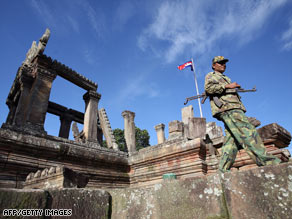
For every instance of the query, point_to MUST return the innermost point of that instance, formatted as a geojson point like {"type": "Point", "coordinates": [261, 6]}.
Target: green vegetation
{"type": "Point", "coordinates": [142, 139]}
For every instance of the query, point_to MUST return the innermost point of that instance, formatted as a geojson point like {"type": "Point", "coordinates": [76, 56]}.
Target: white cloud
{"type": "Point", "coordinates": [44, 11]}
{"type": "Point", "coordinates": [96, 18]}
{"type": "Point", "coordinates": [287, 37]}
{"type": "Point", "coordinates": [136, 87]}
{"type": "Point", "coordinates": [124, 12]}
{"type": "Point", "coordinates": [198, 25]}
{"type": "Point", "coordinates": [73, 23]}
{"type": "Point", "coordinates": [89, 56]}
{"type": "Point", "coordinates": [54, 16]}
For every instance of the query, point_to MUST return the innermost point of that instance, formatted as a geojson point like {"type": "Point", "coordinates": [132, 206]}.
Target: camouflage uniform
{"type": "Point", "coordinates": [239, 132]}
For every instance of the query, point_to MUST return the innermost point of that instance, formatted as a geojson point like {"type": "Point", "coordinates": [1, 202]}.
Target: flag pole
{"type": "Point", "coordinates": [197, 89]}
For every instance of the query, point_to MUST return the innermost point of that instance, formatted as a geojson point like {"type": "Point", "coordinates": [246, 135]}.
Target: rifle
{"type": "Point", "coordinates": [215, 98]}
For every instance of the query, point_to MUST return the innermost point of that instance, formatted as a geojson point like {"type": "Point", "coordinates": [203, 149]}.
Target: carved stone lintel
{"type": "Point", "coordinates": [72, 76]}
{"type": "Point", "coordinates": [44, 74]}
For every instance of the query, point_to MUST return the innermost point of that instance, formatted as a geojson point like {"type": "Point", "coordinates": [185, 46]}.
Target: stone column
{"type": "Point", "coordinates": [160, 133]}
{"type": "Point", "coordinates": [19, 117]}
{"type": "Point", "coordinates": [129, 131]}
{"type": "Point", "coordinates": [39, 98]}
{"type": "Point", "coordinates": [175, 130]}
{"type": "Point", "coordinates": [66, 119]}
{"type": "Point", "coordinates": [90, 116]}
{"type": "Point", "coordinates": [187, 113]}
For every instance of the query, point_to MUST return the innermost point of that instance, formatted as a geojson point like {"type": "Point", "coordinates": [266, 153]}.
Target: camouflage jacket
{"type": "Point", "coordinates": [215, 86]}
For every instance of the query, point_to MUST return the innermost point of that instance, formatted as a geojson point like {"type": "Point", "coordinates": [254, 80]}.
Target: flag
{"type": "Point", "coordinates": [183, 66]}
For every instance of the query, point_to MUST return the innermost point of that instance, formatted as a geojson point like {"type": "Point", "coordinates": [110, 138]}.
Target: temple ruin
{"type": "Point", "coordinates": [32, 159]}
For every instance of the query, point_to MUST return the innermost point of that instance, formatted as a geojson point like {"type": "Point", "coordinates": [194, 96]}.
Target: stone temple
{"type": "Point", "coordinates": [177, 178]}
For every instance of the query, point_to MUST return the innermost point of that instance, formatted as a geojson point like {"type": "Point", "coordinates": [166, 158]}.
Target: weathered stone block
{"type": "Point", "coordinates": [186, 113]}
{"type": "Point", "coordinates": [260, 193]}
{"type": "Point", "coordinates": [82, 203]}
{"type": "Point", "coordinates": [213, 130]}
{"type": "Point", "coordinates": [175, 126]}
{"type": "Point", "coordinates": [264, 192]}
{"type": "Point", "coordinates": [197, 128]}
{"type": "Point", "coordinates": [22, 199]}
{"type": "Point", "coordinates": [175, 129]}
{"type": "Point", "coordinates": [254, 121]}
{"type": "Point", "coordinates": [180, 199]}
{"type": "Point", "coordinates": [85, 203]}
{"type": "Point", "coordinates": [275, 133]}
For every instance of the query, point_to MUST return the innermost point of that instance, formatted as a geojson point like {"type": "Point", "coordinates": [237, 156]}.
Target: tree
{"type": "Point", "coordinates": [142, 139]}
{"type": "Point", "coordinates": [120, 139]}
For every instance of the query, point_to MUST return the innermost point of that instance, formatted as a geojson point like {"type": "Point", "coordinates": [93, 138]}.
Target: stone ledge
{"type": "Point", "coordinates": [58, 145]}
{"type": "Point", "coordinates": [55, 177]}
{"type": "Point", "coordinates": [165, 149]}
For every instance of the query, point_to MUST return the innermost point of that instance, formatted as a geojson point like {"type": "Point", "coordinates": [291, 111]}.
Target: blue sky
{"type": "Point", "coordinates": [132, 50]}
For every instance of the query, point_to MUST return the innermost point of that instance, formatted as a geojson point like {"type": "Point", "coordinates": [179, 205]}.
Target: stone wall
{"type": "Point", "coordinates": [261, 193]}
{"type": "Point", "coordinates": [185, 158]}
{"type": "Point", "coordinates": [82, 203]}
{"type": "Point", "coordinates": [21, 154]}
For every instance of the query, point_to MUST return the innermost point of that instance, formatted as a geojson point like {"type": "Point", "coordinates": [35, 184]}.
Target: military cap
{"type": "Point", "coordinates": [219, 59]}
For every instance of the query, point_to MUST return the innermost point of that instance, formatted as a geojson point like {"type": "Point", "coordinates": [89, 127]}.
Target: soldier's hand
{"type": "Point", "coordinates": [232, 85]}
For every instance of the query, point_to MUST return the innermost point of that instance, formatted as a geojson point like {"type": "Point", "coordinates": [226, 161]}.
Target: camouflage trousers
{"type": "Point", "coordinates": [241, 134]}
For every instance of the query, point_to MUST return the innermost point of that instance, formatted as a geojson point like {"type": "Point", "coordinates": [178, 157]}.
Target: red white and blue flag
{"type": "Point", "coordinates": [183, 66]}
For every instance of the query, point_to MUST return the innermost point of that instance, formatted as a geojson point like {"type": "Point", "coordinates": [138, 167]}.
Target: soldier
{"type": "Point", "coordinates": [230, 110]}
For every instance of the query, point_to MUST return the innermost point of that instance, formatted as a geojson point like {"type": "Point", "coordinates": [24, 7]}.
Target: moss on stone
{"type": "Point", "coordinates": [22, 199]}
